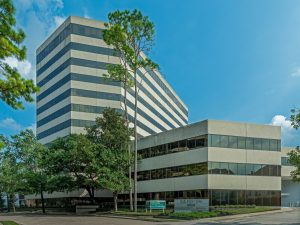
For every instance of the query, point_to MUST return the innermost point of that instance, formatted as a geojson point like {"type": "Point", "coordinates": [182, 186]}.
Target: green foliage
{"type": "Point", "coordinates": [294, 156]}
{"type": "Point", "coordinates": [294, 159]}
{"type": "Point", "coordinates": [10, 172]}
{"type": "Point", "coordinates": [130, 34]}
{"type": "Point", "coordinates": [78, 161]}
{"type": "Point", "coordinates": [295, 118]}
{"type": "Point", "coordinates": [198, 215]}
{"type": "Point", "coordinates": [13, 87]}
{"type": "Point", "coordinates": [23, 166]}
{"type": "Point", "coordinates": [112, 134]}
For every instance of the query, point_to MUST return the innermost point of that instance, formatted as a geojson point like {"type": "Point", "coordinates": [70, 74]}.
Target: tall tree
{"type": "Point", "coordinates": [78, 161]}
{"type": "Point", "coordinates": [132, 35]}
{"type": "Point", "coordinates": [114, 37]}
{"type": "Point", "coordinates": [111, 132]}
{"type": "Point", "coordinates": [13, 87]}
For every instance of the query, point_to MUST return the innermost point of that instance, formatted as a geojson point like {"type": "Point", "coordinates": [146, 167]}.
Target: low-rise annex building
{"type": "Point", "coordinates": [290, 189]}
{"type": "Point", "coordinates": [227, 162]}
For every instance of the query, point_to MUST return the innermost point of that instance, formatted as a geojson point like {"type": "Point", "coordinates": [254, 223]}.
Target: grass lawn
{"type": "Point", "coordinates": [193, 215]}
{"type": "Point", "coordinates": [224, 212]}
{"type": "Point", "coordinates": [8, 223]}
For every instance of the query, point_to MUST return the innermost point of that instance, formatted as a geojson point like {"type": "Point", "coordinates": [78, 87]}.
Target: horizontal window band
{"type": "Point", "coordinates": [80, 93]}
{"type": "Point", "coordinates": [102, 80]}
{"type": "Point", "coordinates": [233, 142]}
{"type": "Point", "coordinates": [102, 50]}
{"type": "Point", "coordinates": [72, 28]}
{"type": "Point", "coordinates": [93, 109]}
{"type": "Point", "coordinates": [94, 33]}
{"type": "Point", "coordinates": [77, 77]}
{"type": "Point", "coordinates": [83, 123]}
{"type": "Point", "coordinates": [78, 47]}
{"type": "Point", "coordinates": [101, 65]}
{"type": "Point", "coordinates": [53, 101]}
{"type": "Point", "coordinates": [205, 168]}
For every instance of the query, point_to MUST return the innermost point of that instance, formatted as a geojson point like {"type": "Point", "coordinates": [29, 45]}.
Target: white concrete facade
{"type": "Point", "coordinates": [70, 68]}
{"type": "Point", "coordinates": [213, 180]}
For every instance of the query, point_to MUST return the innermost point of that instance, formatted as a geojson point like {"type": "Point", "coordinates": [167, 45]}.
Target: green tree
{"type": "Point", "coordinates": [78, 162]}
{"type": "Point", "coordinates": [112, 133]}
{"type": "Point", "coordinates": [294, 159]}
{"type": "Point", "coordinates": [31, 161]}
{"type": "Point", "coordinates": [13, 87]}
{"type": "Point", "coordinates": [295, 118]}
{"type": "Point", "coordinates": [294, 156]}
{"type": "Point", "coordinates": [10, 177]}
{"type": "Point", "coordinates": [132, 35]}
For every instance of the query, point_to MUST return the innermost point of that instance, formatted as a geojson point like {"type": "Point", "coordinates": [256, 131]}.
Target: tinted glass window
{"type": "Point", "coordinates": [215, 140]}
{"type": "Point", "coordinates": [257, 169]}
{"type": "Point", "coordinates": [249, 169]}
{"type": "Point", "coordinates": [215, 168]}
{"type": "Point", "coordinates": [249, 143]}
{"type": "Point", "coordinates": [233, 168]}
{"type": "Point", "coordinates": [257, 143]}
{"type": "Point", "coordinates": [241, 169]}
{"type": "Point", "coordinates": [224, 168]}
{"type": "Point", "coordinates": [273, 145]}
{"type": "Point", "coordinates": [233, 142]}
{"type": "Point", "coordinates": [265, 144]}
{"type": "Point", "coordinates": [265, 170]}
{"type": "Point", "coordinates": [242, 142]}
{"type": "Point", "coordinates": [173, 147]}
{"type": "Point", "coordinates": [224, 141]}
{"type": "Point", "coordinates": [191, 143]}
{"type": "Point", "coordinates": [278, 145]}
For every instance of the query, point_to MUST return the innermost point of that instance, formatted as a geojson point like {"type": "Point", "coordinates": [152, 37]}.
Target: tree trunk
{"type": "Point", "coordinates": [135, 140]}
{"type": "Point", "coordinates": [12, 199]}
{"type": "Point", "coordinates": [129, 150]}
{"type": "Point", "coordinates": [43, 201]}
{"type": "Point", "coordinates": [8, 202]}
{"type": "Point", "coordinates": [91, 194]}
{"type": "Point", "coordinates": [115, 195]}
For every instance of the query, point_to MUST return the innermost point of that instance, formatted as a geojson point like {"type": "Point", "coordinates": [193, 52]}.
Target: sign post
{"type": "Point", "coordinates": [156, 204]}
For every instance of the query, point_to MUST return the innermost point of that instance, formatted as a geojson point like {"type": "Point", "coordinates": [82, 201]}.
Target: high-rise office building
{"type": "Point", "coordinates": [70, 68]}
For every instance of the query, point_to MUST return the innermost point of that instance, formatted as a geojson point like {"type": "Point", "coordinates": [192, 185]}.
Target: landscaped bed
{"type": "Point", "coordinates": [8, 223]}
{"type": "Point", "coordinates": [222, 211]}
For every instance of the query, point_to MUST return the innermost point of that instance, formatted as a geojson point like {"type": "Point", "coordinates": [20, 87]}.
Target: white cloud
{"type": "Point", "coordinates": [10, 124]}
{"type": "Point", "coordinates": [24, 67]}
{"type": "Point", "coordinates": [288, 133]}
{"type": "Point", "coordinates": [86, 13]}
{"type": "Point", "coordinates": [282, 121]}
{"type": "Point", "coordinates": [58, 20]}
{"type": "Point", "coordinates": [296, 73]}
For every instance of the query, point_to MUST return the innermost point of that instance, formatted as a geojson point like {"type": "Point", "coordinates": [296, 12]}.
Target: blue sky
{"type": "Point", "coordinates": [227, 60]}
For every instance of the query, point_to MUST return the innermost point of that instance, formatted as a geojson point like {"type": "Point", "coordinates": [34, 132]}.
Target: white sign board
{"type": "Point", "coordinates": [191, 205]}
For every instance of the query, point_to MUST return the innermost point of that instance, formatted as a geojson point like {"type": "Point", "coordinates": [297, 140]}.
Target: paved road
{"type": "Point", "coordinates": [286, 218]}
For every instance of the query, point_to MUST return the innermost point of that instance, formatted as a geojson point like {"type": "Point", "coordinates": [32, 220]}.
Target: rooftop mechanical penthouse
{"type": "Point", "coordinates": [70, 68]}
